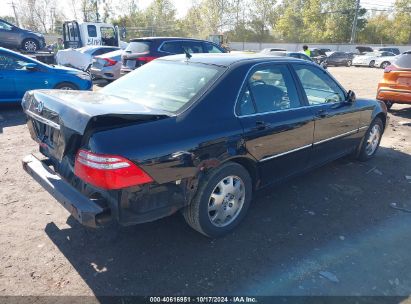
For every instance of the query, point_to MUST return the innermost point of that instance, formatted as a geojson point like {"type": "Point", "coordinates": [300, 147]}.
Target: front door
{"type": "Point", "coordinates": [336, 119]}
{"type": "Point", "coordinates": [278, 128]}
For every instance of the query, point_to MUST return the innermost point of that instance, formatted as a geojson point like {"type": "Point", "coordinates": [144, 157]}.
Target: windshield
{"type": "Point", "coordinates": [162, 85]}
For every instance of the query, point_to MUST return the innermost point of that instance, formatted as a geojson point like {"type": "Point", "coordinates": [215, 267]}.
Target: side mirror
{"type": "Point", "coordinates": [31, 66]}
{"type": "Point", "coordinates": [351, 96]}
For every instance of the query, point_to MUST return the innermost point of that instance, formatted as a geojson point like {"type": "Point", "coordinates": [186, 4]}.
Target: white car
{"type": "Point", "coordinates": [369, 59]}
{"type": "Point", "coordinates": [383, 62]}
{"type": "Point", "coordinates": [82, 58]}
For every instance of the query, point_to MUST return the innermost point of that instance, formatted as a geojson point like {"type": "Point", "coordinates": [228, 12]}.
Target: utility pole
{"type": "Point", "coordinates": [354, 25]}
{"type": "Point", "coordinates": [15, 13]}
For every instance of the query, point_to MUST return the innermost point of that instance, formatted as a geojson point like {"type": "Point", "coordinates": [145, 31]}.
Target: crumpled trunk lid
{"type": "Point", "coordinates": [59, 120]}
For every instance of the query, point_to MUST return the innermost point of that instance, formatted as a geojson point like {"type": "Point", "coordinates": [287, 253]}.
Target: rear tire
{"type": "Point", "coordinates": [66, 86]}
{"type": "Point", "coordinates": [221, 201]}
{"type": "Point", "coordinates": [385, 64]}
{"type": "Point", "coordinates": [30, 45]}
{"type": "Point", "coordinates": [372, 63]}
{"type": "Point", "coordinates": [349, 63]}
{"type": "Point", "coordinates": [371, 140]}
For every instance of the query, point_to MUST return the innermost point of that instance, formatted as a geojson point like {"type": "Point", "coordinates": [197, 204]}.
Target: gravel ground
{"type": "Point", "coordinates": [329, 232]}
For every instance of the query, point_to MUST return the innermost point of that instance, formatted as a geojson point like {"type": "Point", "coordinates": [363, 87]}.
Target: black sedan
{"type": "Point", "coordinates": [339, 59]}
{"type": "Point", "coordinates": [198, 134]}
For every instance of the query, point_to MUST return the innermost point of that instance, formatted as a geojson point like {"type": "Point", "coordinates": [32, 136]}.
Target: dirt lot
{"type": "Point", "coordinates": [336, 220]}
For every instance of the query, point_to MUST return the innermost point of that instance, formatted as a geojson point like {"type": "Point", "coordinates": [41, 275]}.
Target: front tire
{"type": "Point", "coordinates": [372, 63]}
{"type": "Point", "coordinates": [349, 63]}
{"type": "Point", "coordinates": [221, 202]}
{"type": "Point", "coordinates": [388, 104]}
{"type": "Point", "coordinates": [371, 140]}
{"type": "Point", "coordinates": [66, 86]}
{"type": "Point", "coordinates": [30, 45]}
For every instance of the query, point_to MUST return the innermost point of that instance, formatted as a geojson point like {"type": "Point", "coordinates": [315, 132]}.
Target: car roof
{"type": "Point", "coordinates": [166, 39]}
{"type": "Point", "coordinates": [227, 59]}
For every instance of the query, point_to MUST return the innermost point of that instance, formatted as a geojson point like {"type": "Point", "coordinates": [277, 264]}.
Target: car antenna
{"type": "Point", "coordinates": [188, 55]}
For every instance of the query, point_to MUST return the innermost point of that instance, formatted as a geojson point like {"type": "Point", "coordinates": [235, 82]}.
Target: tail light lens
{"type": "Point", "coordinates": [144, 59]}
{"type": "Point", "coordinates": [109, 62]}
{"type": "Point", "coordinates": [108, 171]}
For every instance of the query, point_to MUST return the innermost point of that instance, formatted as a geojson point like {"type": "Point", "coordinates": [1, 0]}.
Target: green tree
{"type": "Point", "coordinates": [402, 22]}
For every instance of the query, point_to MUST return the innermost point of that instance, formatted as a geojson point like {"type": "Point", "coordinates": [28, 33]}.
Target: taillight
{"type": "Point", "coordinates": [109, 62]}
{"type": "Point", "coordinates": [145, 59]}
{"type": "Point", "coordinates": [108, 171]}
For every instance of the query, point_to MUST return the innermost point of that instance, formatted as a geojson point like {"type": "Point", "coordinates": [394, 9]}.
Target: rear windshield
{"type": "Point", "coordinates": [166, 86]}
{"type": "Point", "coordinates": [138, 47]}
{"type": "Point", "coordinates": [404, 61]}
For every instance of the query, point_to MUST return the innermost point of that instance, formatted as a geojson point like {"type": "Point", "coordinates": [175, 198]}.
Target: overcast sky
{"type": "Point", "coordinates": [181, 5]}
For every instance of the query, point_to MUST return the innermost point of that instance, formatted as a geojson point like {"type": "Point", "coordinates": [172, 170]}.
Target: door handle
{"type": "Point", "coordinates": [321, 113]}
{"type": "Point", "coordinates": [261, 125]}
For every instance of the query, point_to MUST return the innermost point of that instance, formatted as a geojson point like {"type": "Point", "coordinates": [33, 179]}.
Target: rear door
{"type": "Point", "coordinates": [278, 127]}
{"type": "Point", "coordinates": [336, 120]}
{"type": "Point", "coordinates": [7, 36]}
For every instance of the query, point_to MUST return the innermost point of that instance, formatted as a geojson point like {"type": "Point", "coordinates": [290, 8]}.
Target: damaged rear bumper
{"type": "Point", "coordinates": [83, 209]}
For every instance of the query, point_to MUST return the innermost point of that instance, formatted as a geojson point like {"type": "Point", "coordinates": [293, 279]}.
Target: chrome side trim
{"type": "Point", "coordinates": [285, 153]}
{"type": "Point", "coordinates": [335, 137]}
{"type": "Point", "coordinates": [362, 128]}
{"type": "Point", "coordinates": [43, 120]}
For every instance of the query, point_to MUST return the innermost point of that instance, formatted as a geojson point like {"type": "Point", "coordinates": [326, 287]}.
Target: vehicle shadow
{"type": "Point", "coordinates": [292, 231]}
{"type": "Point", "coordinates": [11, 115]}
{"type": "Point", "coordinates": [403, 111]}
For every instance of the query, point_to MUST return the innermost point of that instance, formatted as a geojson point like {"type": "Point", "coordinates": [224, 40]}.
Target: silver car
{"type": "Point", "coordinates": [107, 66]}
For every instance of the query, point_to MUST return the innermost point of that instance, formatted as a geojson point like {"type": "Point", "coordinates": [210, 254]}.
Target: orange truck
{"type": "Point", "coordinates": [395, 87]}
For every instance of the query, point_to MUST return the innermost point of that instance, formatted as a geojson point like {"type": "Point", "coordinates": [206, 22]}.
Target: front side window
{"type": "Point", "coordinates": [210, 48]}
{"type": "Point", "coordinates": [318, 86]}
{"type": "Point", "coordinates": [108, 36]}
{"type": "Point", "coordinates": [91, 30]}
{"type": "Point", "coordinates": [268, 90]}
{"type": "Point", "coordinates": [8, 62]}
{"type": "Point", "coordinates": [163, 85]}
{"type": "Point", "coordinates": [6, 27]}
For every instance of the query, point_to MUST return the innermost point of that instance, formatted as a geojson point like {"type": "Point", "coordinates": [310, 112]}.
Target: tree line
{"type": "Point", "coordinates": [315, 21]}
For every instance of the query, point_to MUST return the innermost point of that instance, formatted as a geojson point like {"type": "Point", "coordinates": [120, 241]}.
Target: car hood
{"type": "Point", "coordinates": [64, 69]}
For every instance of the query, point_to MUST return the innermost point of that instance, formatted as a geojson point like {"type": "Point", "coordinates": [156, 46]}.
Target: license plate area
{"type": "Point", "coordinates": [45, 135]}
{"type": "Point", "coordinates": [131, 64]}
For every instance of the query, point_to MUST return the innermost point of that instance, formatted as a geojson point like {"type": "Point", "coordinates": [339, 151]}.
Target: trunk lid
{"type": "Point", "coordinates": [59, 120]}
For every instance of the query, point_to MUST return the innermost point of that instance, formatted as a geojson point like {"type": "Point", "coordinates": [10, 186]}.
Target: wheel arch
{"type": "Point", "coordinates": [61, 83]}
{"type": "Point", "coordinates": [250, 165]}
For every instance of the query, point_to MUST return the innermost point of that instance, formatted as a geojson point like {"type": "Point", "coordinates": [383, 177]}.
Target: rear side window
{"type": "Point", "coordinates": [318, 86]}
{"type": "Point", "coordinates": [193, 47]}
{"type": "Point", "coordinates": [172, 47]}
{"type": "Point", "coordinates": [138, 47]}
{"type": "Point", "coordinates": [404, 61]}
{"type": "Point", "coordinates": [269, 89]}
{"type": "Point", "coordinates": [91, 30]}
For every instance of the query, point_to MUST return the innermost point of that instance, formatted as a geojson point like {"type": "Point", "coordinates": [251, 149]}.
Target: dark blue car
{"type": "Point", "coordinates": [19, 73]}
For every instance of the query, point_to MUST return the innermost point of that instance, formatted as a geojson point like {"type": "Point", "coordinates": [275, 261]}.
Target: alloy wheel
{"type": "Point", "coordinates": [226, 201]}
{"type": "Point", "coordinates": [30, 46]}
{"type": "Point", "coordinates": [373, 140]}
